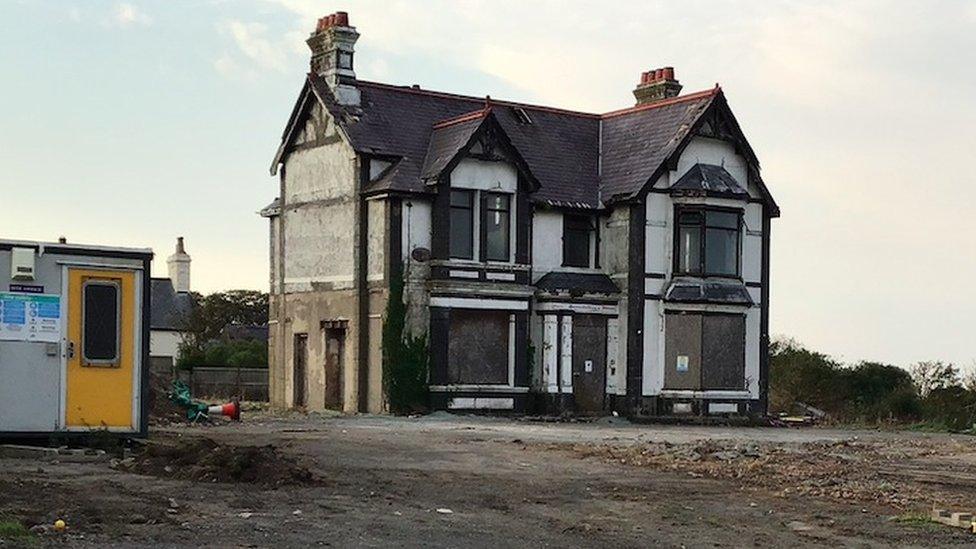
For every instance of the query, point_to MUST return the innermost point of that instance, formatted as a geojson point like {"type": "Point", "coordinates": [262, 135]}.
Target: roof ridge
{"type": "Point", "coordinates": [466, 117]}
{"type": "Point", "coordinates": [502, 102]}
{"type": "Point", "coordinates": [674, 100]}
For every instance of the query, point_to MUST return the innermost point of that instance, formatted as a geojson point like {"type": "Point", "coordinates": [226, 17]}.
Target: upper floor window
{"type": "Point", "coordinates": [462, 224]}
{"type": "Point", "coordinates": [576, 240]}
{"type": "Point", "coordinates": [497, 227]}
{"type": "Point", "coordinates": [708, 242]}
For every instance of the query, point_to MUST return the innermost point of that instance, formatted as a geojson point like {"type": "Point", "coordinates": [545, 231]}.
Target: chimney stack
{"type": "Point", "coordinates": [657, 85]}
{"type": "Point", "coordinates": [332, 44]}
{"type": "Point", "coordinates": [179, 267]}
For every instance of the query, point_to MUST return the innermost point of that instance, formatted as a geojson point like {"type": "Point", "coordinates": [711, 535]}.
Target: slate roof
{"type": "Point", "coordinates": [692, 290]}
{"type": "Point", "coordinates": [166, 306]}
{"type": "Point", "coordinates": [446, 140]}
{"type": "Point", "coordinates": [711, 180]}
{"type": "Point", "coordinates": [577, 283]}
{"type": "Point", "coordinates": [580, 160]}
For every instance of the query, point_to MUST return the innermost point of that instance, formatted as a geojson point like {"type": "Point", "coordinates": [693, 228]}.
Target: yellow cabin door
{"type": "Point", "coordinates": [100, 349]}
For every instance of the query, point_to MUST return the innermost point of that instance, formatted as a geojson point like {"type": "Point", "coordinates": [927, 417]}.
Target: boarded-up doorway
{"type": "Point", "coordinates": [335, 351]}
{"type": "Point", "coordinates": [589, 362]}
{"type": "Point", "coordinates": [299, 374]}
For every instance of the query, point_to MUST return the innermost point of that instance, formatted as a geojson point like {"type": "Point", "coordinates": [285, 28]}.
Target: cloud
{"type": "Point", "coordinates": [254, 51]}
{"type": "Point", "coordinates": [127, 15]}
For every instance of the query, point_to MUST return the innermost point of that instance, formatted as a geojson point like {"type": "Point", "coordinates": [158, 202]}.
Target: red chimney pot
{"type": "Point", "coordinates": [342, 19]}
{"type": "Point", "coordinates": [669, 73]}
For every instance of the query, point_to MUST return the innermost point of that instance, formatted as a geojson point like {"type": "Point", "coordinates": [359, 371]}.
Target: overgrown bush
{"type": "Point", "coordinates": [931, 392]}
{"type": "Point", "coordinates": [238, 354]}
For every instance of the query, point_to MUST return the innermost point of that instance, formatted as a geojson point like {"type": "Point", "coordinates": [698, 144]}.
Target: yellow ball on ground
{"type": "Point", "coordinates": [59, 525]}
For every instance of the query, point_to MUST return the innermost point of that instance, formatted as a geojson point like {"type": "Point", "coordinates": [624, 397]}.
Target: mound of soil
{"type": "Point", "coordinates": [162, 411]}
{"type": "Point", "coordinates": [204, 460]}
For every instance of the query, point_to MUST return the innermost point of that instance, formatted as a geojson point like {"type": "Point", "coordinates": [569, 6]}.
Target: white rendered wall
{"type": "Point", "coordinates": [547, 243]}
{"type": "Point", "coordinates": [164, 343]}
{"type": "Point", "coordinates": [483, 175]}
{"type": "Point", "coordinates": [318, 209]}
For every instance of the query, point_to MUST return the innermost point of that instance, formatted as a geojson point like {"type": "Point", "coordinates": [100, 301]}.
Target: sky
{"type": "Point", "coordinates": [132, 123]}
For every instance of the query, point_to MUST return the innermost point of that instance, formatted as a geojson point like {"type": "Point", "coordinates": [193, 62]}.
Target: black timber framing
{"type": "Point", "coordinates": [362, 291]}
{"type": "Point", "coordinates": [764, 318]}
{"type": "Point", "coordinates": [635, 300]}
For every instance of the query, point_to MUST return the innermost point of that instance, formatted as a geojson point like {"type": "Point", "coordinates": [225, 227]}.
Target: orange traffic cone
{"type": "Point", "coordinates": [232, 410]}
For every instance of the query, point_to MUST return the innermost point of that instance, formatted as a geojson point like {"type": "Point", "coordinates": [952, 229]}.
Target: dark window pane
{"type": "Point", "coordinates": [497, 227]}
{"type": "Point", "coordinates": [721, 251]}
{"type": "Point", "coordinates": [690, 218]}
{"type": "Point", "coordinates": [462, 225]}
{"type": "Point", "coordinates": [689, 249]}
{"type": "Point", "coordinates": [461, 199]}
{"type": "Point", "coordinates": [478, 347]}
{"type": "Point", "coordinates": [101, 323]}
{"type": "Point", "coordinates": [725, 220]}
{"type": "Point", "coordinates": [576, 241]}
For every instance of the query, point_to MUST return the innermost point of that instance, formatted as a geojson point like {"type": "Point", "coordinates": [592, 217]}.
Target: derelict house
{"type": "Point", "coordinates": [555, 260]}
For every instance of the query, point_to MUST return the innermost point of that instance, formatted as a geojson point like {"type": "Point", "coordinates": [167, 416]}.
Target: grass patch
{"type": "Point", "coordinates": [12, 529]}
{"type": "Point", "coordinates": [916, 519]}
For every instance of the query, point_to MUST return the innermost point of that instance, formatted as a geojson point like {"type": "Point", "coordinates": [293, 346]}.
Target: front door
{"type": "Point", "coordinates": [589, 362]}
{"type": "Point", "coordinates": [299, 376]}
{"type": "Point", "coordinates": [335, 342]}
{"type": "Point", "coordinates": [101, 349]}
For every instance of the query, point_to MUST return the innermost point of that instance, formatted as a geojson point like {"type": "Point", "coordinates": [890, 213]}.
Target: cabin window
{"type": "Point", "coordinates": [101, 311]}
{"type": "Point", "coordinates": [707, 242]}
{"type": "Point", "coordinates": [462, 224]}
{"type": "Point", "coordinates": [576, 240]}
{"type": "Point", "coordinates": [497, 227]}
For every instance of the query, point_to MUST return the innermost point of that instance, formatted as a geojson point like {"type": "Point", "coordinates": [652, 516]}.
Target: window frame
{"type": "Point", "coordinates": [589, 237]}
{"type": "Point", "coordinates": [115, 361]}
{"type": "Point", "coordinates": [472, 204]}
{"type": "Point", "coordinates": [703, 240]}
{"type": "Point", "coordinates": [486, 197]}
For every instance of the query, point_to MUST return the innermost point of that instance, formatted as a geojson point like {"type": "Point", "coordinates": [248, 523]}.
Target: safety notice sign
{"type": "Point", "coordinates": [30, 317]}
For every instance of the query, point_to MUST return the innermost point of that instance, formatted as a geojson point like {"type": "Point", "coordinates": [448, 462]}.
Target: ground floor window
{"type": "Point", "coordinates": [478, 347]}
{"type": "Point", "coordinates": [705, 351]}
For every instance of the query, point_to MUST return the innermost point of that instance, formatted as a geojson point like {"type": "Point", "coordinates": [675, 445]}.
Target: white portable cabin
{"type": "Point", "coordinates": [74, 339]}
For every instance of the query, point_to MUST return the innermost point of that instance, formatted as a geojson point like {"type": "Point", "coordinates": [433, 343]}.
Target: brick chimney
{"type": "Point", "coordinates": [332, 46]}
{"type": "Point", "coordinates": [656, 85]}
{"type": "Point", "coordinates": [179, 267]}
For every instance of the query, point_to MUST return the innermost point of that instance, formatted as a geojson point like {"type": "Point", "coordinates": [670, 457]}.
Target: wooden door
{"type": "Point", "coordinates": [300, 372]}
{"type": "Point", "coordinates": [589, 362]}
{"type": "Point", "coordinates": [335, 350]}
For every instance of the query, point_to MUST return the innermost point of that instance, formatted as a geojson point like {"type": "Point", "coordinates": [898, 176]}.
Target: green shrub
{"type": "Point", "coordinates": [405, 358]}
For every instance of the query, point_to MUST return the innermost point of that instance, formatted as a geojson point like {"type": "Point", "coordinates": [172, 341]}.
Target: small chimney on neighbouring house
{"type": "Point", "coordinates": [656, 85]}
{"type": "Point", "coordinates": [179, 267]}
{"type": "Point", "coordinates": [332, 46]}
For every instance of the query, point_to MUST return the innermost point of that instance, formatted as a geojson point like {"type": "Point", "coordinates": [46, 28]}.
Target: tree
{"type": "Point", "coordinates": [202, 329]}
{"type": "Point", "coordinates": [934, 374]}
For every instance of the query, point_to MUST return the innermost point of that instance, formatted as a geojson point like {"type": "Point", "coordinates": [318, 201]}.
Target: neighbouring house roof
{"type": "Point", "coordinates": [577, 283]}
{"type": "Point", "coordinates": [245, 332]}
{"type": "Point", "coordinates": [693, 290]}
{"type": "Point", "coordinates": [167, 307]}
{"type": "Point", "coordinates": [579, 160]}
{"type": "Point", "coordinates": [710, 180]}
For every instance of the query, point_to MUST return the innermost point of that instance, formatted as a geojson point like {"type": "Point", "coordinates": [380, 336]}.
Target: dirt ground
{"type": "Point", "coordinates": [446, 481]}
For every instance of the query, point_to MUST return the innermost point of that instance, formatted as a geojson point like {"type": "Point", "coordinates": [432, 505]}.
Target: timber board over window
{"type": "Point", "coordinates": [704, 351]}
{"type": "Point", "coordinates": [462, 224]}
{"type": "Point", "coordinates": [576, 240]}
{"type": "Point", "coordinates": [707, 242]}
{"type": "Point", "coordinates": [478, 345]}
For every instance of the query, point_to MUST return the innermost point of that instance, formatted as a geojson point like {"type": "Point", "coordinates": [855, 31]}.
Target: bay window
{"type": "Point", "coordinates": [707, 242]}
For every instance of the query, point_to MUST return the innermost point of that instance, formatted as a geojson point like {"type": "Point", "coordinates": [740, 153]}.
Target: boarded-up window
{"type": "Point", "coordinates": [705, 352]}
{"type": "Point", "coordinates": [477, 351]}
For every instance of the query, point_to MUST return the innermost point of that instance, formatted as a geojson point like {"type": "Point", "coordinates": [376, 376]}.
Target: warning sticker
{"type": "Point", "coordinates": [30, 317]}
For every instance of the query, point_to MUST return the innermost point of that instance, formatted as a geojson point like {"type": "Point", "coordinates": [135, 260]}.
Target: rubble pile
{"type": "Point", "coordinates": [903, 474]}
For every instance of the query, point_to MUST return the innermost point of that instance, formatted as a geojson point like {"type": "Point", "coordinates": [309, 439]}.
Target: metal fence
{"type": "Point", "coordinates": [225, 382]}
